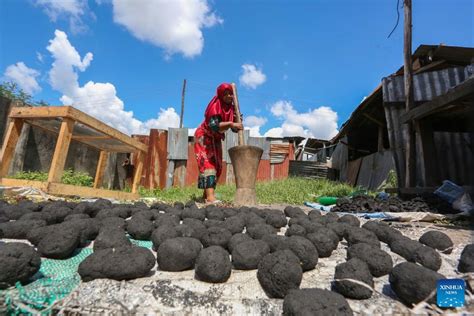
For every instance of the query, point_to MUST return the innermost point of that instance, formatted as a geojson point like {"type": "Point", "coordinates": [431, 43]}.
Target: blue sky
{"type": "Point", "coordinates": [301, 67]}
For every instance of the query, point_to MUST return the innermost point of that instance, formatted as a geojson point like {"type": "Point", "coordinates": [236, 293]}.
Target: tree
{"type": "Point", "coordinates": [10, 90]}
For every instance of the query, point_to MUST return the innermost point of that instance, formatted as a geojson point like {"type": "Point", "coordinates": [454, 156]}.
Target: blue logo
{"type": "Point", "coordinates": [450, 293]}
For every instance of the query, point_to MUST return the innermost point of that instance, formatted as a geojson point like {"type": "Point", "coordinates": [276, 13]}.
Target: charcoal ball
{"type": "Point", "coordinates": [14, 212]}
{"type": "Point", "coordinates": [428, 257]}
{"type": "Point", "coordinates": [18, 262]}
{"type": "Point", "coordinates": [55, 215]}
{"type": "Point", "coordinates": [216, 236]}
{"type": "Point", "coordinates": [379, 262]}
{"type": "Point", "coordinates": [291, 211]}
{"type": "Point", "coordinates": [314, 213]}
{"type": "Point", "coordinates": [466, 261]}
{"type": "Point", "coordinates": [413, 283]}
{"type": "Point", "coordinates": [19, 229]}
{"type": "Point", "coordinates": [355, 269]}
{"type": "Point", "coordinates": [315, 302]}
{"type": "Point", "coordinates": [279, 272]}
{"type": "Point", "coordinates": [82, 208]}
{"type": "Point", "coordinates": [298, 220]}
{"type": "Point", "coordinates": [144, 214]}
{"type": "Point", "coordinates": [186, 231]}
{"type": "Point", "coordinates": [88, 228]}
{"type": "Point", "coordinates": [111, 238]}
{"type": "Point", "coordinates": [309, 226]}
{"type": "Point", "coordinates": [140, 229]}
{"type": "Point", "coordinates": [113, 222]}
{"type": "Point", "coordinates": [383, 232]}
{"type": "Point", "coordinates": [166, 220]}
{"type": "Point", "coordinates": [295, 230]}
{"type": "Point", "coordinates": [162, 233]}
{"type": "Point", "coordinates": [174, 212]}
{"type": "Point", "coordinates": [178, 254]}
{"type": "Point", "coordinates": [229, 212]}
{"type": "Point", "coordinates": [237, 239]}
{"type": "Point", "coordinates": [198, 227]}
{"type": "Point", "coordinates": [196, 213]}
{"type": "Point", "coordinates": [247, 254]}
{"type": "Point", "coordinates": [325, 241]}
{"type": "Point", "coordinates": [437, 240]}
{"type": "Point", "coordinates": [305, 250]}
{"type": "Point", "coordinates": [355, 235]}
{"type": "Point", "coordinates": [276, 242]}
{"type": "Point", "coordinates": [190, 204]}
{"type": "Point", "coordinates": [235, 224]}
{"type": "Point", "coordinates": [349, 219]}
{"type": "Point", "coordinates": [213, 265]}
{"type": "Point", "coordinates": [33, 216]}
{"type": "Point", "coordinates": [406, 248]}
{"type": "Point", "coordinates": [180, 205]}
{"type": "Point", "coordinates": [60, 243]}
{"type": "Point", "coordinates": [123, 263]}
{"type": "Point", "coordinates": [32, 206]}
{"type": "Point", "coordinates": [215, 214]}
{"type": "Point", "coordinates": [213, 223]}
{"type": "Point", "coordinates": [258, 231]}
{"type": "Point", "coordinates": [112, 212]}
{"type": "Point", "coordinates": [276, 220]}
{"type": "Point", "coordinates": [339, 229]}
{"type": "Point", "coordinates": [331, 217]}
{"type": "Point", "coordinates": [252, 219]}
{"type": "Point", "coordinates": [75, 216]}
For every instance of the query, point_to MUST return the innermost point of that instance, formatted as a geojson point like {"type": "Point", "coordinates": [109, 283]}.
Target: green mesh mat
{"type": "Point", "coordinates": [55, 280]}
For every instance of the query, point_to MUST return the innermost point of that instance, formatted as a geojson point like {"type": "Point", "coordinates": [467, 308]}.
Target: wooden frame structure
{"type": "Point", "coordinates": [70, 124]}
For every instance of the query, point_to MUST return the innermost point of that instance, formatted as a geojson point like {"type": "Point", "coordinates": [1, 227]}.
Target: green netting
{"type": "Point", "coordinates": [54, 281]}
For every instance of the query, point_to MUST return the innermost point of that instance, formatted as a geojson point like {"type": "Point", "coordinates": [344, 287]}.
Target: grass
{"type": "Point", "coordinates": [69, 177]}
{"type": "Point", "coordinates": [287, 191]}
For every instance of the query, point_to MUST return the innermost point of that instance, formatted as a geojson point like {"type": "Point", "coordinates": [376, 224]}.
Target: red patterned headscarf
{"type": "Point", "coordinates": [217, 106]}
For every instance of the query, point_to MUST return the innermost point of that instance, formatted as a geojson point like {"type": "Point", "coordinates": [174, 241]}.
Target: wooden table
{"type": "Point", "coordinates": [70, 124]}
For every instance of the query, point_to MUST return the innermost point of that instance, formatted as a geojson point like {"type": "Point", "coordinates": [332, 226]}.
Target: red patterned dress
{"type": "Point", "coordinates": [208, 139]}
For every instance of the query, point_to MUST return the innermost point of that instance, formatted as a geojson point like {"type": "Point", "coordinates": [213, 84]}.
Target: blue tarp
{"type": "Point", "coordinates": [323, 208]}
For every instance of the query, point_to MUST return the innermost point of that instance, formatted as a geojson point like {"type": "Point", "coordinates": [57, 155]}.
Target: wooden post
{"type": "Point", "coordinates": [237, 114]}
{"type": "Point", "coordinates": [380, 139]}
{"type": "Point", "coordinates": [138, 171]}
{"type": "Point", "coordinates": [99, 174]}
{"type": "Point", "coordinates": [182, 105]}
{"type": "Point", "coordinates": [61, 150]}
{"type": "Point", "coordinates": [410, 152]}
{"type": "Point", "coordinates": [8, 148]}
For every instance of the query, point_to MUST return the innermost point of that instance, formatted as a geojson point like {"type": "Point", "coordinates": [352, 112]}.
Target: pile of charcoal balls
{"type": "Point", "coordinates": [214, 240]}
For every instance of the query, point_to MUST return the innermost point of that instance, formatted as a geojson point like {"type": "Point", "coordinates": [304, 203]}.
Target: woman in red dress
{"type": "Point", "coordinates": [218, 118]}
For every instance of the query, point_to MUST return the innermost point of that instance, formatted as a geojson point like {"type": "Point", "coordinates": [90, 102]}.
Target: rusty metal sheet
{"type": "Point", "coordinates": [263, 143]}
{"type": "Point", "coordinates": [178, 143]}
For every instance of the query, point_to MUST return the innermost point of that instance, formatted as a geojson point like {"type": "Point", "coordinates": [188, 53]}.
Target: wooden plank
{"type": "Point", "coordinates": [103, 128]}
{"type": "Point", "coordinates": [8, 182]}
{"type": "Point", "coordinates": [428, 152]}
{"type": "Point", "coordinates": [179, 173]}
{"type": "Point", "coordinates": [169, 174]}
{"type": "Point", "coordinates": [99, 174]}
{"type": "Point", "coordinates": [61, 150]}
{"type": "Point", "coordinates": [40, 112]}
{"type": "Point", "coordinates": [380, 139]}
{"type": "Point", "coordinates": [86, 138]}
{"type": "Point", "coordinates": [73, 190]}
{"type": "Point", "coordinates": [8, 148]}
{"type": "Point", "coordinates": [138, 171]}
{"type": "Point", "coordinates": [460, 91]}
{"type": "Point", "coordinates": [373, 119]}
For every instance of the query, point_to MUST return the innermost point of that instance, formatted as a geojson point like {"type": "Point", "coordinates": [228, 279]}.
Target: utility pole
{"type": "Point", "coordinates": [410, 167]}
{"type": "Point", "coordinates": [182, 105]}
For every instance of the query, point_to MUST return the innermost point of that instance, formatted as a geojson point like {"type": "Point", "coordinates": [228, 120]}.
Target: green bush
{"type": "Point", "coordinates": [69, 177]}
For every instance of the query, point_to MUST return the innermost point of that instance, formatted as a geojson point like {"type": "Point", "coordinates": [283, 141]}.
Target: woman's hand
{"type": "Point", "coordinates": [237, 126]}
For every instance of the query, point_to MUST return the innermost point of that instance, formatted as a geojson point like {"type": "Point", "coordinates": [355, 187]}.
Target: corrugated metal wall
{"type": "Point", "coordinates": [426, 85]}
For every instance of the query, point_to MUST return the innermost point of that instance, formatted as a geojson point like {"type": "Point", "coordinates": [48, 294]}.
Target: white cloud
{"type": "Point", "coordinates": [318, 123]}
{"type": "Point", "coordinates": [23, 76]}
{"type": "Point", "coordinates": [39, 56]}
{"type": "Point", "coordinates": [72, 10]}
{"type": "Point", "coordinates": [252, 77]}
{"type": "Point", "coordinates": [254, 123]}
{"type": "Point", "coordinates": [173, 25]}
{"type": "Point", "coordinates": [95, 98]}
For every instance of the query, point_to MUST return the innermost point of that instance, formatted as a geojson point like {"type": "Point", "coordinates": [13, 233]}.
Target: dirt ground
{"type": "Point", "coordinates": [169, 293]}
